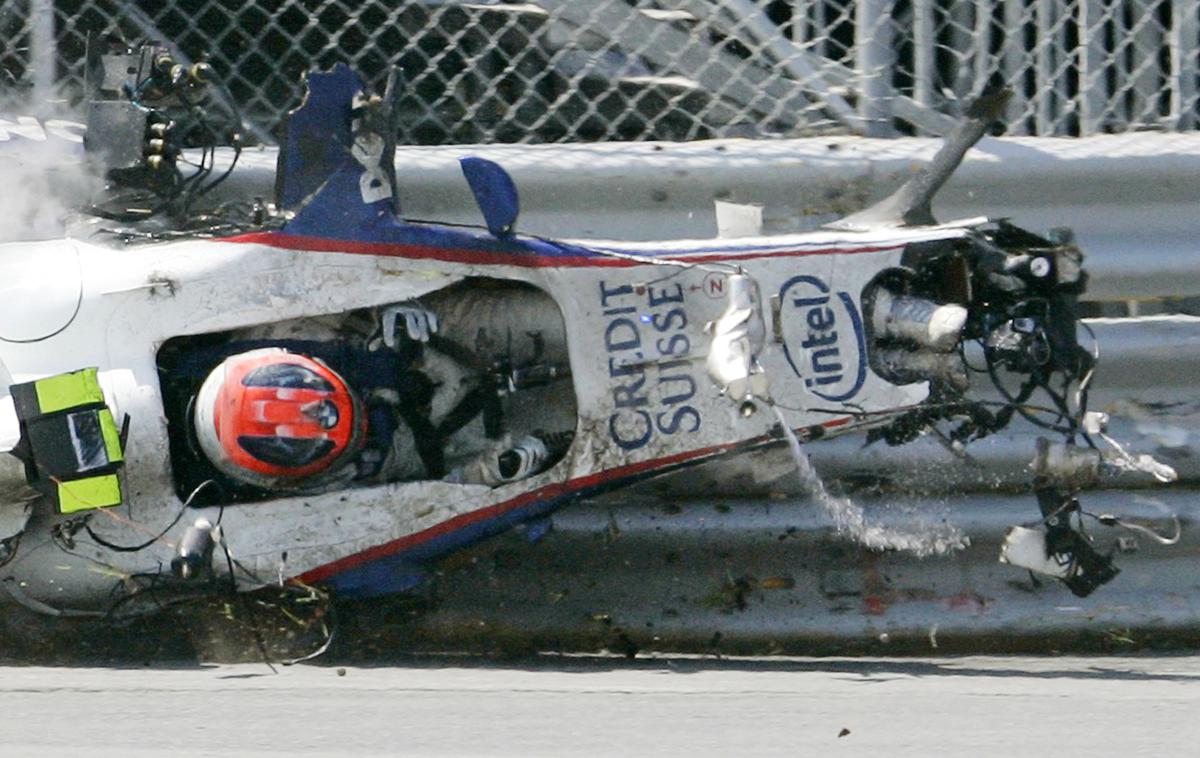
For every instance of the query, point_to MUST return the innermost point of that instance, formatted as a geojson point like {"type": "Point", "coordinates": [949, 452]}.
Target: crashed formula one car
{"type": "Point", "coordinates": [318, 393]}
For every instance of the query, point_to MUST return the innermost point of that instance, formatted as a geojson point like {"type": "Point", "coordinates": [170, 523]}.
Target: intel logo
{"type": "Point", "coordinates": [823, 338]}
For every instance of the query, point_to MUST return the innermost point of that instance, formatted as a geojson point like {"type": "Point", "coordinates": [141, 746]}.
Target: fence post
{"type": "Point", "coordinates": [873, 40]}
{"type": "Point", "coordinates": [924, 44]}
{"type": "Point", "coordinates": [1145, 71]}
{"type": "Point", "coordinates": [985, 11]}
{"type": "Point", "coordinates": [1092, 82]}
{"type": "Point", "coordinates": [1048, 73]}
{"type": "Point", "coordinates": [808, 25]}
{"type": "Point", "coordinates": [1183, 40]}
{"type": "Point", "coordinates": [1015, 66]}
{"type": "Point", "coordinates": [43, 51]}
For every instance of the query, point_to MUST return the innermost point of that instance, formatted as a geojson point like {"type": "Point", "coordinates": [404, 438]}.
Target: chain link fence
{"type": "Point", "coordinates": [588, 70]}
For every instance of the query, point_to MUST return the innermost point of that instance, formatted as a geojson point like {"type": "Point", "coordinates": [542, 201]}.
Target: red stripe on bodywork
{"type": "Point", "coordinates": [561, 489]}
{"type": "Point", "coordinates": [524, 260]}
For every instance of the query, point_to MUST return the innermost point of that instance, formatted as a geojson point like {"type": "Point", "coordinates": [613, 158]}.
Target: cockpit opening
{"type": "Point", "coordinates": [469, 384]}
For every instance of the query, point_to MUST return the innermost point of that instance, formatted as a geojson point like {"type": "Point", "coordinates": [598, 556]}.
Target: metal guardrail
{"type": "Point", "coordinates": [727, 576]}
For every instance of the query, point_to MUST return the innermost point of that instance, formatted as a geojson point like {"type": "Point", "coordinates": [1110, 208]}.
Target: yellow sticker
{"type": "Point", "coordinates": [112, 436]}
{"type": "Point", "coordinates": [54, 393]}
{"type": "Point", "coordinates": [89, 494]}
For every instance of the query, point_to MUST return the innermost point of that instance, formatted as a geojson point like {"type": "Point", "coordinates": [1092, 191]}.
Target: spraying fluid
{"type": "Point", "coordinates": [850, 519]}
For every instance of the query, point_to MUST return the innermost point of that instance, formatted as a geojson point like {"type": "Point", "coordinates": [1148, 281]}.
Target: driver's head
{"type": "Point", "coordinates": [277, 420]}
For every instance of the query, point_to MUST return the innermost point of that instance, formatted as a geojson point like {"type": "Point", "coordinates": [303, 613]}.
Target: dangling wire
{"type": "Point", "coordinates": [1110, 520]}
{"type": "Point", "coordinates": [156, 538]}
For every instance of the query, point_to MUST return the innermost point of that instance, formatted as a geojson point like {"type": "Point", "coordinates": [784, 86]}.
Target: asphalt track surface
{"type": "Point", "coordinates": [679, 707]}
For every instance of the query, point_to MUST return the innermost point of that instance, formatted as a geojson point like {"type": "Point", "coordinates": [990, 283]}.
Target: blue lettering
{"type": "Point", "coordinates": [623, 369]}
{"type": "Point", "coordinates": [649, 386]}
{"type": "Point", "coordinates": [630, 443]}
{"type": "Point", "coordinates": [825, 360]}
{"type": "Point", "coordinates": [677, 344]}
{"type": "Point", "coordinates": [657, 300]}
{"type": "Point", "coordinates": [672, 365]}
{"type": "Point", "coordinates": [818, 347]}
{"type": "Point", "coordinates": [663, 324]}
{"type": "Point", "coordinates": [625, 395]}
{"type": "Point", "coordinates": [820, 319]}
{"type": "Point", "coordinates": [606, 293]}
{"type": "Point", "coordinates": [677, 418]}
{"type": "Point", "coordinates": [814, 340]}
{"type": "Point", "coordinates": [823, 380]}
{"type": "Point", "coordinates": [632, 340]}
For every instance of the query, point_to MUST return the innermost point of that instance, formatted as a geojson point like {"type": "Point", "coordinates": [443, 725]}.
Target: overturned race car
{"type": "Point", "coordinates": [201, 397]}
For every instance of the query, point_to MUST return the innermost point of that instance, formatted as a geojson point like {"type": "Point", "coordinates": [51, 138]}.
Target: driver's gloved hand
{"type": "Point", "coordinates": [415, 322]}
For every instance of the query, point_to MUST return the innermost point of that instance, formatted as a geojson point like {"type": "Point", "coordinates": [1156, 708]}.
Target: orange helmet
{"type": "Point", "coordinates": [276, 419]}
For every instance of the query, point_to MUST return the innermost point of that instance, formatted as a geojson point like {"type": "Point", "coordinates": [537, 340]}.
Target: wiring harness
{"type": "Point", "coordinates": [155, 127]}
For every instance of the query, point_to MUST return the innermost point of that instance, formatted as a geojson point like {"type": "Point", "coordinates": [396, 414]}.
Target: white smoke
{"type": "Point", "coordinates": [43, 175]}
{"type": "Point", "coordinates": [850, 519]}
